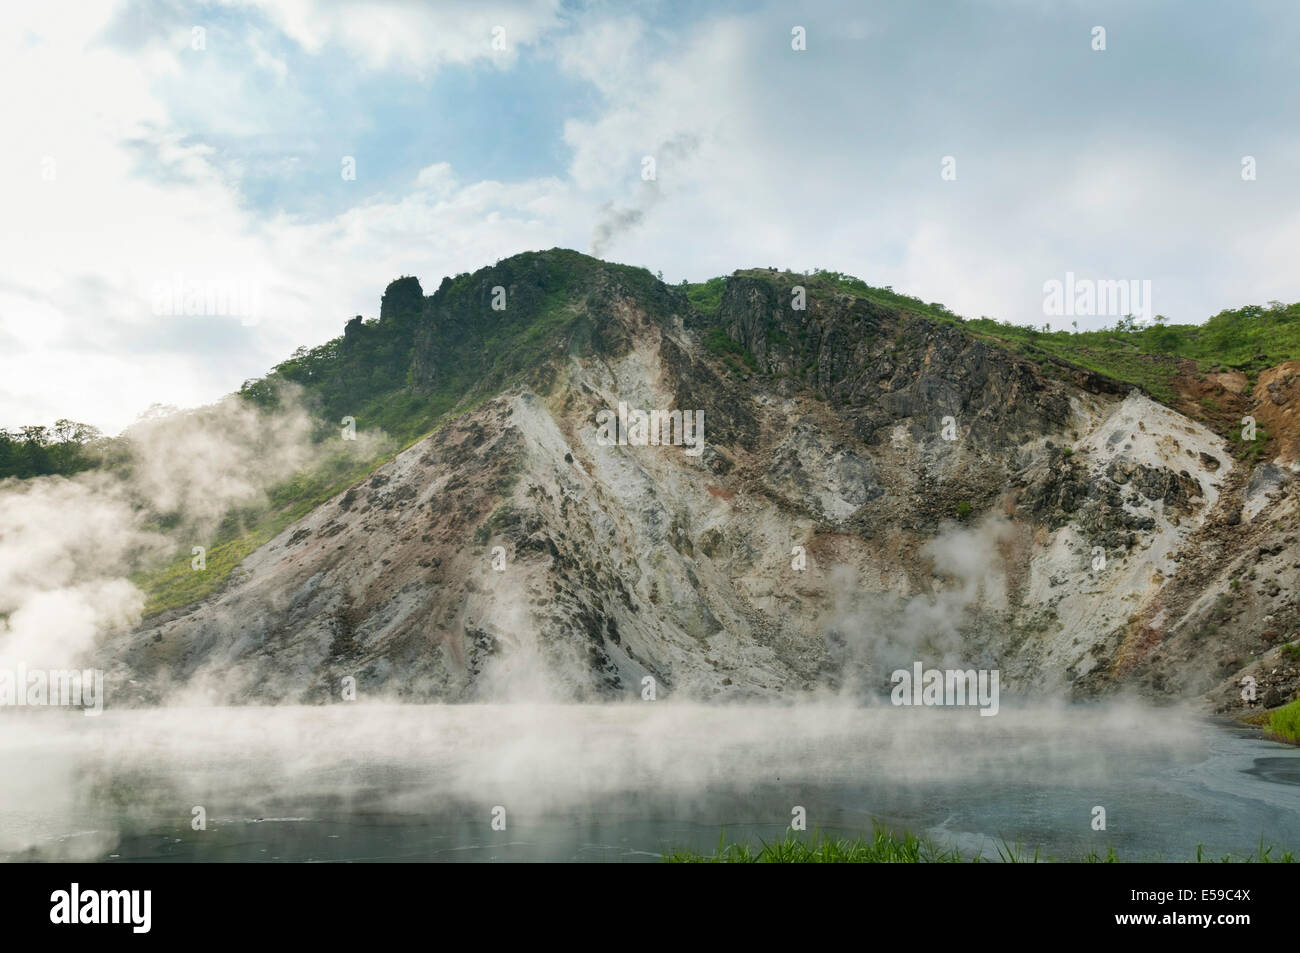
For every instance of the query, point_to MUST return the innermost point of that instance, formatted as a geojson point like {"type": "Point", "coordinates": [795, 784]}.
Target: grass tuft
{"type": "Point", "coordinates": [1285, 722]}
{"type": "Point", "coordinates": [886, 847]}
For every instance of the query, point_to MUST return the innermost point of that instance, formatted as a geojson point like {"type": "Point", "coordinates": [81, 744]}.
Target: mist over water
{"type": "Point", "coordinates": [627, 781]}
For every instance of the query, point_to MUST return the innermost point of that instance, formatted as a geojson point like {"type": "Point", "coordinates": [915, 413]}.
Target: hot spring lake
{"type": "Point", "coordinates": [629, 782]}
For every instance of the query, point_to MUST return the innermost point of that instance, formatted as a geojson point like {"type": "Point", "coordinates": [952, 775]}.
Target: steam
{"type": "Point", "coordinates": [65, 548]}
{"type": "Point", "coordinates": [874, 633]}
{"type": "Point", "coordinates": [202, 463]}
{"type": "Point", "coordinates": [518, 671]}
{"type": "Point", "coordinates": [442, 768]}
{"type": "Point", "coordinates": [615, 221]}
{"type": "Point", "coordinates": [68, 546]}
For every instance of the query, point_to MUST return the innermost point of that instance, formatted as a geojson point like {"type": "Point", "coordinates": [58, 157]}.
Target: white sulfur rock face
{"type": "Point", "coordinates": [1091, 597]}
{"type": "Point", "coordinates": [1142, 431]}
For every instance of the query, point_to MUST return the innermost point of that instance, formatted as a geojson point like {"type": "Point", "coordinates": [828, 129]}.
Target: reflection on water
{"type": "Point", "coordinates": [627, 782]}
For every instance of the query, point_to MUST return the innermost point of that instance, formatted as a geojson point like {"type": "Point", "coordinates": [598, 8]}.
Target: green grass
{"type": "Point", "coordinates": [1252, 450]}
{"type": "Point", "coordinates": [1261, 855]}
{"type": "Point", "coordinates": [1285, 722]}
{"type": "Point", "coordinates": [1103, 352]}
{"type": "Point", "coordinates": [886, 847]}
{"type": "Point", "coordinates": [178, 584]}
{"type": "Point", "coordinates": [883, 847]}
{"type": "Point", "coordinates": [1247, 339]}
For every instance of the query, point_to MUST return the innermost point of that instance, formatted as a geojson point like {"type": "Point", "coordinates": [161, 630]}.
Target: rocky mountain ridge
{"type": "Point", "coordinates": [879, 486]}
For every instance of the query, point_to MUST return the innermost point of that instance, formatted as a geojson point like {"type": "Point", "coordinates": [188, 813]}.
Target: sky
{"type": "Point", "coordinates": [190, 191]}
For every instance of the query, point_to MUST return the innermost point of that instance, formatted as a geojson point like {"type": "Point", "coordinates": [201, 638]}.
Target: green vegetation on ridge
{"type": "Point", "coordinates": [1150, 356]}
{"type": "Point", "coordinates": [424, 356]}
{"type": "Point", "coordinates": [1247, 339]}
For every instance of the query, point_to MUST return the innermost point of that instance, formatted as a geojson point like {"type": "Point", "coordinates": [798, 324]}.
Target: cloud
{"type": "Point", "coordinates": [134, 202]}
{"type": "Point", "coordinates": [416, 36]}
{"type": "Point", "coordinates": [830, 157]}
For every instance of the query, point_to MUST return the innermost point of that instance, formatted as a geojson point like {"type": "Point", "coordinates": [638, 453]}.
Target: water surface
{"type": "Point", "coordinates": [628, 782]}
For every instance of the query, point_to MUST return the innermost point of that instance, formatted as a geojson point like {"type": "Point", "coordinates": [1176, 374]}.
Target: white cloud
{"type": "Point", "coordinates": [78, 276]}
{"type": "Point", "coordinates": [763, 156]}
{"type": "Point", "coordinates": [416, 36]}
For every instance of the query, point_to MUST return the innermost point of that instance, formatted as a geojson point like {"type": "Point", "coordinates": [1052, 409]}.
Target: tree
{"type": "Point", "coordinates": [1166, 339]}
{"type": "Point", "coordinates": [69, 431]}
{"type": "Point", "coordinates": [42, 451]}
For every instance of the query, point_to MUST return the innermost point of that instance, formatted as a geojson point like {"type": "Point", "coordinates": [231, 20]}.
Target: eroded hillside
{"type": "Point", "coordinates": [878, 485]}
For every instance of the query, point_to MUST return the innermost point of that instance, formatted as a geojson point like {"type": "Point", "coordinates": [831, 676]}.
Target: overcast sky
{"type": "Point", "coordinates": [152, 146]}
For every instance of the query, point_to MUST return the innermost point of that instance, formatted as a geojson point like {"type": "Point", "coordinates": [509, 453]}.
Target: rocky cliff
{"type": "Point", "coordinates": [877, 484]}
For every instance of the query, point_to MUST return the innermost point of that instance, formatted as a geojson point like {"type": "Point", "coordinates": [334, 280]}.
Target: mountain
{"type": "Point", "coordinates": [879, 482]}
